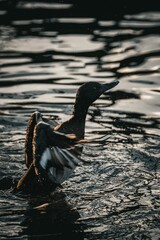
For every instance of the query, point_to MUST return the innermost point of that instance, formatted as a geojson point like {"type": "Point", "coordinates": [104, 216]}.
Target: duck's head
{"type": "Point", "coordinates": [90, 92]}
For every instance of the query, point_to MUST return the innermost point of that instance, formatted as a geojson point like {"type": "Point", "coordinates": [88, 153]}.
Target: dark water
{"type": "Point", "coordinates": [47, 50]}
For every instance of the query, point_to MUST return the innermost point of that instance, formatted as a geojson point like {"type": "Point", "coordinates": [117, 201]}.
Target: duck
{"type": "Point", "coordinates": [51, 154]}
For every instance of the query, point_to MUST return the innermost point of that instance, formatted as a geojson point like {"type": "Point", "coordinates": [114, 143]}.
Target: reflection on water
{"type": "Point", "coordinates": [45, 54]}
{"type": "Point", "coordinates": [55, 218]}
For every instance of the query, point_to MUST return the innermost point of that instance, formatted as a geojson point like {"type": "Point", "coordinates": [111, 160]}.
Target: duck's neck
{"type": "Point", "coordinates": [76, 124]}
{"type": "Point", "coordinates": [80, 112]}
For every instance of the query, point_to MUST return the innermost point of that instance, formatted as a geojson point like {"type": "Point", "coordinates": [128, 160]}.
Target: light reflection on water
{"type": "Point", "coordinates": [115, 195]}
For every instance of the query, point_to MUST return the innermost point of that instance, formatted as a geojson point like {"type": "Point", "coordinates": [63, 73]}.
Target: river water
{"type": "Point", "coordinates": [46, 53]}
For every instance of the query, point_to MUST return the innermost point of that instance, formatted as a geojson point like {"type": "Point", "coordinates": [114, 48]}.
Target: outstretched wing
{"type": "Point", "coordinates": [53, 153]}
{"type": "Point", "coordinates": [34, 119]}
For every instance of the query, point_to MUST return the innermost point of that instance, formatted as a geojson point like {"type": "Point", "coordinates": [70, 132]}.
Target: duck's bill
{"type": "Point", "coordinates": [108, 86]}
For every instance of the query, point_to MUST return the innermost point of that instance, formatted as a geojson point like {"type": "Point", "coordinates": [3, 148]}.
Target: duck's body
{"type": "Point", "coordinates": [50, 153]}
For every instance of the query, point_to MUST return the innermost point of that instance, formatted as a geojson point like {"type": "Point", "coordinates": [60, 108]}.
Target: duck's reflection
{"type": "Point", "coordinates": [52, 217]}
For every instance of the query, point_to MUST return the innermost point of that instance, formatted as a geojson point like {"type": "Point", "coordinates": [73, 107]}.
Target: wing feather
{"type": "Point", "coordinates": [52, 155]}
{"type": "Point", "coordinates": [59, 163]}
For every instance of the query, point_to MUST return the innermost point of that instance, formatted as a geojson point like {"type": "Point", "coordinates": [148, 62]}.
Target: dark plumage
{"type": "Point", "coordinates": [50, 152]}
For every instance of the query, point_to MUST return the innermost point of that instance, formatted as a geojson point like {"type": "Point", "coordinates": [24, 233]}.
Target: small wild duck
{"type": "Point", "coordinates": [50, 155]}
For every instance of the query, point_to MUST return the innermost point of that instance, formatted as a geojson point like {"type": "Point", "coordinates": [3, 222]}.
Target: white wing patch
{"type": "Point", "coordinates": [52, 171]}
{"type": "Point", "coordinates": [62, 176]}
{"type": "Point", "coordinates": [59, 163]}
{"type": "Point", "coordinates": [46, 156]}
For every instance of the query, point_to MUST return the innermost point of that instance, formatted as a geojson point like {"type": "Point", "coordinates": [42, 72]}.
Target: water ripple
{"type": "Point", "coordinates": [44, 57]}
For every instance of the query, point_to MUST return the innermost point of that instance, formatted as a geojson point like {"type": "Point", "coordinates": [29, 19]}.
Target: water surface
{"type": "Point", "coordinates": [45, 55]}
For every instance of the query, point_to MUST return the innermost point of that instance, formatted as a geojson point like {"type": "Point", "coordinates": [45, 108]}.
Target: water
{"type": "Point", "coordinates": [47, 50]}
